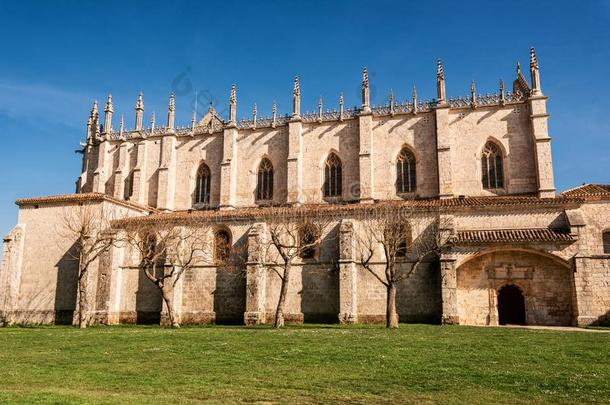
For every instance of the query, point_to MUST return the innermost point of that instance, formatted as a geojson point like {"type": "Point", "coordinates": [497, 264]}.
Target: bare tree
{"type": "Point", "coordinates": [391, 229]}
{"type": "Point", "coordinates": [165, 251]}
{"type": "Point", "coordinates": [87, 227]}
{"type": "Point", "coordinates": [293, 233]}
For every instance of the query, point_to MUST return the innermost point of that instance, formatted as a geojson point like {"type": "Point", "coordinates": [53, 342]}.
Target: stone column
{"type": "Point", "coordinates": [121, 171]}
{"type": "Point", "coordinates": [10, 272]}
{"type": "Point", "coordinates": [348, 276]}
{"type": "Point", "coordinates": [167, 173]}
{"type": "Point", "coordinates": [99, 175]}
{"type": "Point", "coordinates": [542, 146]}
{"type": "Point", "coordinates": [295, 162]}
{"type": "Point", "coordinates": [256, 276]}
{"type": "Point", "coordinates": [444, 143]}
{"type": "Point", "coordinates": [367, 182]}
{"type": "Point", "coordinates": [449, 291]}
{"type": "Point", "coordinates": [139, 174]}
{"type": "Point", "coordinates": [228, 168]}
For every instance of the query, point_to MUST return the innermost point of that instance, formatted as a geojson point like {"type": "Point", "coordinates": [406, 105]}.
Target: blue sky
{"type": "Point", "coordinates": [59, 56]}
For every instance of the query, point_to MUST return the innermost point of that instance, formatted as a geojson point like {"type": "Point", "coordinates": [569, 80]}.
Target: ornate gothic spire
{"type": "Point", "coordinates": [473, 95]}
{"type": "Point", "coordinates": [233, 106]}
{"type": "Point", "coordinates": [502, 95]}
{"type": "Point", "coordinates": [91, 121]}
{"type": "Point", "coordinates": [366, 94]}
{"type": "Point", "coordinates": [139, 111]}
{"type": "Point", "coordinates": [121, 126]}
{"type": "Point", "coordinates": [274, 114]}
{"type": "Point", "coordinates": [414, 95]}
{"type": "Point", "coordinates": [296, 98]}
{"type": "Point", "coordinates": [108, 115]}
{"type": "Point", "coordinates": [171, 112]}
{"type": "Point", "coordinates": [441, 94]}
{"type": "Point", "coordinates": [341, 106]}
{"type": "Point", "coordinates": [320, 109]}
{"type": "Point", "coordinates": [534, 74]}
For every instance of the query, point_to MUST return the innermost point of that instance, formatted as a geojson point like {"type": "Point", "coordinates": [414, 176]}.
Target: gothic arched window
{"type": "Point", "coordinates": [222, 245]}
{"type": "Point", "coordinates": [332, 176]}
{"type": "Point", "coordinates": [202, 185]}
{"type": "Point", "coordinates": [264, 185]}
{"type": "Point", "coordinates": [406, 180]}
{"type": "Point", "coordinates": [606, 241]}
{"type": "Point", "coordinates": [491, 167]}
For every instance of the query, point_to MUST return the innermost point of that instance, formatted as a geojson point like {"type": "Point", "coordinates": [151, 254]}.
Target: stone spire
{"type": "Point", "coordinates": [171, 112]}
{"type": "Point", "coordinates": [121, 126]}
{"type": "Point", "coordinates": [414, 95]}
{"type": "Point", "coordinates": [320, 109]}
{"type": "Point", "coordinates": [534, 74]}
{"type": "Point", "coordinates": [233, 107]}
{"type": "Point", "coordinates": [92, 121]}
{"type": "Point", "coordinates": [391, 97]}
{"type": "Point", "coordinates": [473, 95]}
{"type": "Point", "coordinates": [152, 122]}
{"type": "Point", "coordinates": [139, 112]}
{"type": "Point", "coordinates": [366, 94]}
{"type": "Point", "coordinates": [441, 94]}
{"type": "Point", "coordinates": [108, 115]}
{"type": "Point", "coordinates": [193, 123]}
{"type": "Point", "coordinates": [296, 98]}
{"type": "Point", "coordinates": [341, 106]}
{"type": "Point", "coordinates": [502, 95]}
{"type": "Point", "coordinates": [274, 115]}
{"type": "Point", "coordinates": [254, 111]}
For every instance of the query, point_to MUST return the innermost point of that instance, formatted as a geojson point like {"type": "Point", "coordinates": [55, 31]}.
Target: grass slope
{"type": "Point", "coordinates": [422, 363]}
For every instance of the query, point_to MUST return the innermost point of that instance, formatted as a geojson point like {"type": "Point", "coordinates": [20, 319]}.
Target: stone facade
{"type": "Point", "coordinates": [517, 232]}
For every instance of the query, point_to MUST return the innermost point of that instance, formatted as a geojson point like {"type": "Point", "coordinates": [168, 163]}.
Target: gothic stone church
{"type": "Point", "coordinates": [520, 252]}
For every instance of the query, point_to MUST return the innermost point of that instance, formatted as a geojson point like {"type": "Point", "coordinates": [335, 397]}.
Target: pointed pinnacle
{"type": "Point", "coordinates": [233, 97]}
{"type": "Point", "coordinates": [414, 94]}
{"type": "Point", "coordinates": [440, 73]}
{"type": "Point", "coordinates": [297, 86]}
{"type": "Point", "coordinates": [533, 59]}
{"type": "Point", "coordinates": [365, 77]}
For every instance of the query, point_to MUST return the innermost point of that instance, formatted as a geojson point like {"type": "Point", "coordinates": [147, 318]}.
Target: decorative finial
{"type": "Point", "coordinates": [233, 107]}
{"type": "Point", "coordinates": [152, 122]}
{"type": "Point", "coordinates": [534, 74]}
{"type": "Point", "coordinates": [441, 94]}
{"type": "Point", "coordinates": [139, 111]}
{"type": "Point", "coordinates": [320, 109]}
{"type": "Point", "coordinates": [108, 115]}
{"type": "Point", "coordinates": [193, 123]}
{"type": "Point", "coordinates": [414, 96]}
{"type": "Point", "coordinates": [366, 95]}
{"type": "Point", "coordinates": [171, 111]}
{"type": "Point", "coordinates": [254, 116]}
{"type": "Point", "coordinates": [518, 68]}
{"type": "Point", "coordinates": [296, 98]}
{"type": "Point", "coordinates": [121, 126]}
{"type": "Point", "coordinates": [341, 106]}
{"type": "Point", "coordinates": [274, 114]}
{"type": "Point", "coordinates": [473, 95]}
{"type": "Point", "coordinates": [391, 97]}
{"type": "Point", "coordinates": [502, 95]}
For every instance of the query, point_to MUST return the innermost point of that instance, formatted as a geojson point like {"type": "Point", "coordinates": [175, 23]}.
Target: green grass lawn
{"type": "Point", "coordinates": [307, 364]}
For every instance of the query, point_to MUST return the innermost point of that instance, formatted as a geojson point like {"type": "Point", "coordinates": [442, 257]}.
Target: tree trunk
{"type": "Point", "coordinates": [83, 300]}
{"type": "Point", "coordinates": [279, 313]}
{"type": "Point", "coordinates": [391, 315]}
{"type": "Point", "coordinates": [168, 297]}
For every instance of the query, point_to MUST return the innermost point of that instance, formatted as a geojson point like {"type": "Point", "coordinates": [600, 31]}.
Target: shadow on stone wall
{"type": "Point", "coordinates": [149, 301]}
{"type": "Point", "coordinates": [230, 292]}
{"type": "Point", "coordinates": [66, 287]}
{"type": "Point", "coordinates": [419, 297]}
{"type": "Point", "coordinates": [320, 294]}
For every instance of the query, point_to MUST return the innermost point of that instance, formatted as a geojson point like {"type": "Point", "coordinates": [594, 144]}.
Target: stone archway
{"type": "Point", "coordinates": [545, 285]}
{"type": "Point", "coordinates": [511, 305]}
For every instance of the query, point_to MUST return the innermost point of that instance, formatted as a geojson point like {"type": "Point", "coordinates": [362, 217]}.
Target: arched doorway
{"type": "Point", "coordinates": [511, 306]}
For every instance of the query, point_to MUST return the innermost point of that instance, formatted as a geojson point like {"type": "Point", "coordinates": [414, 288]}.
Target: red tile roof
{"type": "Point", "coordinates": [512, 235]}
{"type": "Point", "coordinates": [82, 197]}
{"type": "Point", "coordinates": [589, 192]}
